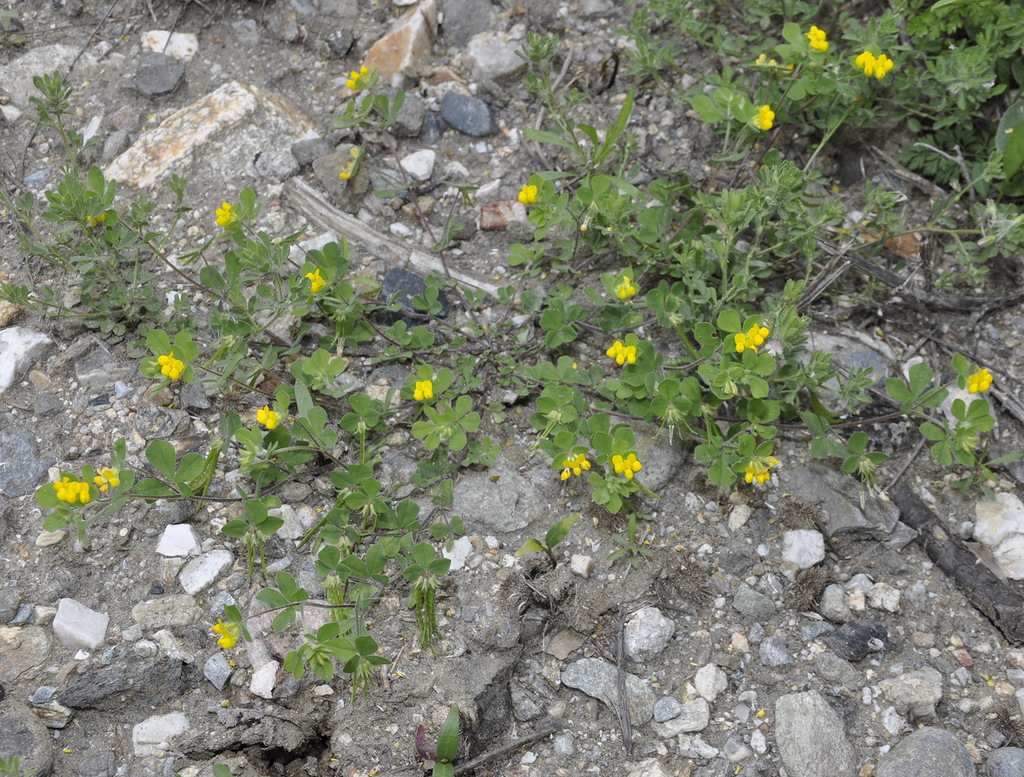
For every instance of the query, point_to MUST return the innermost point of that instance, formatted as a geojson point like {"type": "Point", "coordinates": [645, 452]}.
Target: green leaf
{"type": "Point", "coordinates": [303, 399]}
{"type": "Point", "coordinates": [448, 739]}
{"type": "Point", "coordinates": [284, 619]}
{"type": "Point", "coordinates": [272, 598]}
{"type": "Point", "coordinates": [422, 553]}
{"type": "Point", "coordinates": [558, 532]}
{"type": "Point", "coordinates": [530, 546]}
{"type": "Point", "coordinates": [160, 454]}
{"type": "Point", "coordinates": [220, 770]}
{"type": "Point", "coordinates": [932, 432]}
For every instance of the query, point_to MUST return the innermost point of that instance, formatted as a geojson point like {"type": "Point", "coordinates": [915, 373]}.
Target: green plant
{"type": "Point", "coordinates": [555, 535]}
{"type": "Point", "coordinates": [443, 757]}
{"type": "Point", "coordinates": [11, 767]}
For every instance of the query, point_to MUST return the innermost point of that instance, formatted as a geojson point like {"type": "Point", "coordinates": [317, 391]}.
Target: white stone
{"type": "Point", "coordinates": [803, 547]}
{"type": "Point", "coordinates": [406, 46]}
{"type": "Point", "coordinates": [48, 538]}
{"type": "Point", "coordinates": [20, 348]}
{"type": "Point", "coordinates": [182, 45]}
{"type": "Point", "coordinates": [493, 55]}
{"type": "Point", "coordinates": [883, 596]}
{"type": "Point", "coordinates": [999, 518]}
{"type": "Point", "coordinates": [694, 715]}
{"type": "Point", "coordinates": [419, 164]}
{"type": "Point", "coordinates": [398, 229]}
{"type": "Point", "coordinates": [649, 768]}
{"type": "Point", "coordinates": [297, 521]}
{"type": "Point", "coordinates": [648, 632]}
{"type": "Point", "coordinates": [696, 747]}
{"type": "Point", "coordinates": [460, 551]}
{"type": "Point", "coordinates": [172, 648]}
{"type": "Point", "coordinates": [178, 539]}
{"type": "Point", "coordinates": [77, 626]}
{"type": "Point", "coordinates": [738, 517]}
{"type": "Point", "coordinates": [581, 565]}
{"type": "Point", "coordinates": [1010, 556]}
{"type": "Point", "coordinates": [710, 681]}
{"type": "Point", "coordinates": [263, 680]}
{"type": "Point", "coordinates": [758, 742]}
{"type": "Point", "coordinates": [151, 736]}
{"type": "Point", "coordinates": [855, 600]}
{"type": "Point", "coordinates": [200, 572]}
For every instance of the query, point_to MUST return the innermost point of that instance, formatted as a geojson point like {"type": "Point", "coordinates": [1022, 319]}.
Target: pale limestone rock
{"type": "Point", "coordinates": [406, 46]}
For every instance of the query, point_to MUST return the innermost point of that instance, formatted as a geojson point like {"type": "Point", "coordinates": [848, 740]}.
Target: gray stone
{"type": "Point", "coordinates": [152, 736]}
{"type": "Point", "coordinates": [999, 525]}
{"type": "Point", "coordinates": [200, 572]}
{"type": "Point", "coordinates": [78, 626]}
{"type": "Point", "coordinates": [1005, 762]}
{"type": "Point", "coordinates": [647, 633]}
{"type": "Point", "coordinates": [308, 150]}
{"type": "Point", "coordinates": [22, 649]}
{"type": "Point", "coordinates": [409, 121]}
{"type": "Point", "coordinates": [173, 611]}
{"type": "Point", "coordinates": [839, 496]}
{"type": "Point", "coordinates": [810, 737]}
{"type": "Point", "coordinates": [773, 652]}
{"type": "Point", "coordinates": [345, 194]}
{"type": "Point", "coordinates": [468, 115]}
{"type": "Point", "coordinates": [492, 56]}
{"type": "Point", "coordinates": [53, 714]}
{"type": "Point", "coordinates": [754, 605]}
{"type": "Point", "coordinates": [666, 708]}
{"type": "Point", "coordinates": [465, 18]}
{"type": "Point", "coordinates": [24, 735]}
{"type": "Point", "coordinates": [649, 768]}
{"type": "Point", "coordinates": [42, 694]}
{"type": "Point", "coordinates": [158, 74]}
{"type": "Point", "coordinates": [693, 716]}
{"type": "Point", "coordinates": [838, 671]}
{"type": "Point", "coordinates": [20, 446]}
{"type": "Point", "coordinates": [833, 604]}
{"type": "Point", "coordinates": [926, 753]}
{"type": "Point", "coordinates": [564, 744]}
{"type": "Point", "coordinates": [850, 351]}
{"type": "Point", "coordinates": [150, 682]}
{"type": "Point", "coordinates": [811, 630]}
{"type": "Point", "coordinates": [419, 164]}
{"type": "Point", "coordinates": [502, 499]}
{"type": "Point", "coordinates": [710, 681]}
{"type": "Point", "coordinates": [915, 692]}
{"type": "Point", "coordinates": [20, 348]}
{"type": "Point", "coordinates": [854, 641]}
{"type": "Point", "coordinates": [599, 679]}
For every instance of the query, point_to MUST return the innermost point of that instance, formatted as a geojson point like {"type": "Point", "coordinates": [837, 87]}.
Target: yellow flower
{"type": "Point", "coordinates": [575, 466]}
{"type": "Point", "coordinates": [350, 166]}
{"type": "Point", "coordinates": [765, 118]}
{"type": "Point", "coordinates": [93, 221]}
{"type": "Point", "coordinates": [627, 467]}
{"type": "Point", "coordinates": [626, 289]}
{"type": "Point", "coordinates": [622, 353]}
{"type": "Point", "coordinates": [817, 38]}
{"type": "Point", "coordinates": [268, 417]}
{"type": "Point", "coordinates": [762, 59]}
{"type": "Point", "coordinates": [72, 491]}
{"type": "Point", "coordinates": [759, 467]}
{"type": "Point", "coordinates": [423, 390]}
{"type": "Point", "coordinates": [873, 66]}
{"type": "Point", "coordinates": [170, 367]}
{"type": "Point", "coordinates": [528, 194]}
{"type": "Point", "coordinates": [753, 339]}
{"type": "Point", "coordinates": [358, 79]}
{"type": "Point", "coordinates": [108, 478]}
{"type": "Point", "coordinates": [316, 281]}
{"type": "Point", "coordinates": [229, 633]}
{"type": "Point", "coordinates": [225, 215]}
{"type": "Point", "coordinates": [979, 382]}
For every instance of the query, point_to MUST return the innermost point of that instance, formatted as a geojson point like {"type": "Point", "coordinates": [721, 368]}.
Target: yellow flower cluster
{"type": "Point", "coordinates": [268, 417]}
{"type": "Point", "coordinates": [316, 281]}
{"type": "Point", "coordinates": [357, 79]}
{"type": "Point", "coordinates": [817, 38]}
{"type": "Point", "coordinates": [627, 467]}
{"type": "Point", "coordinates": [752, 339]}
{"type": "Point", "coordinates": [108, 478]}
{"type": "Point", "coordinates": [626, 289]}
{"type": "Point", "coordinates": [575, 466]}
{"type": "Point", "coordinates": [229, 633]}
{"type": "Point", "coordinates": [759, 469]}
{"type": "Point", "coordinates": [225, 215]}
{"type": "Point", "coordinates": [528, 194]}
{"type": "Point", "coordinates": [765, 118]}
{"type": "Point", "coordinates": [873, 66]}
{"type": "Point", "coordinates": [622, 353]}
{"type": "Point", "coordinates": [423, 390]}
{"type": "Point", "coordinates": [979, 382]}
{"type": "Point", "coordinates": [93, 221]}
{"type": "Point", "coordinates": [72, 491]}
{"type": "Point", "coordinates": [350, 166]}
{"type": "Point", "coordinates": [171, 367]}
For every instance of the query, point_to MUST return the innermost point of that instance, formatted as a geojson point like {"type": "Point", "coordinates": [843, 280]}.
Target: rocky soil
{"type": "Point", "coordinates": [795, 629]}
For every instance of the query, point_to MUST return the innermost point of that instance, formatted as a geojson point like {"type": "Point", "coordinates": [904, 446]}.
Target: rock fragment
{"type": "Point", "coordinates": [406, 47]}
{"type": "Point", "coordinates": [927, 752]}
{"type": "Point", "coordinates": [599, 679]}
{"type": "Point", "coordinates": [78, 626]}
{"type": "Point", "coordinates": [811, 738]}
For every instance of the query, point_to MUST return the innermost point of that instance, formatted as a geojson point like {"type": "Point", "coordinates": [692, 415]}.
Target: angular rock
{"type": "Point", "coordinates": [345, 194]}
{"type": "Point", "coordinates": [599, 679]}
{"type": "Point", "coordinates": [264, 679]}
{"type": "Point", "coordinates": [803, 547]}
{"type": "Point", "coordinates": [649, 768]}
{"type": "Point", "coordinates": [180, 45]}
{"type": "Point", "coordinates": [753, 604]}
{"type": "Point", "coordinates": [22, 648]}
{"type": "Point", "coordinates": [833, 669]}
{"type": "Point", "coordinates": [710, 681]}
{"type": "Point", "coordinates": [406, 47]}
{"type": "Point", "coordinates": [20, 348]}
{"type": "Point", "coordinates": [465, 18]}
{"type": "Point", "coordinates": [666, 708]}
{"type": "Point", "coordinates": [107, 688]}
{"type": "Point", "coordinates": [838, 496]}
{"type": "Point", "coordinates": [492, 56]}
{"type": "Point", "coordinates": [503, 499]}
{"type": "Point", "coordinates": [401, 285]}
{"type": "Point", "coordinates": [883, 596]}
{"type": "Point", "coordinates": [17, 76]}
{"type": "Point", "coordinates": [20, 446]}
{"type": "Point", "coordinates": [173, 611]}
{"type": "Point", "coordinates": [200, 572]}
{"type": "Point", "coordinates": [178, 539]}
{"type": "Point", "coordinates": [647, 633]}
{"type": "Point", "coordinates": [498, 215]}
{"type": "Point", "coordinates": [810, 737]}
{"type": "Point", "coordinates": [1005, 762]}
{"type": "Point", "coordinates": [468, 115]}
{"type": "Point", "coordinates": [693, 716]}
{"type": "Point", "coordinates": [152, 736]}
{"type": "Point", "coordinates": [410, 118]}
{"type": "Point", "coordinates": [926, 753]}
{"type": "Point", "coordinates": [419, 164]}
{"type": "Point", "coordinates": [213, 140]}
{"type": "Point", "coordinates": [999, 525]}
{"type": "Point", "coordinates": [915, 692]}
{"type": "Point", "coordinates": [78, 626]}
{"type": "Point", "coordinates": [853, 641]}
{"type": "Point", "coordinates": [773, 651]}
{"type": "Point", "coordinates": [24, 735]}
{"type": "Point", "coordinates": [158, 74]}
{"type": "Point", "coordinates": [833, 604]}
{"type": "Point", "coordinates": [217, 670]}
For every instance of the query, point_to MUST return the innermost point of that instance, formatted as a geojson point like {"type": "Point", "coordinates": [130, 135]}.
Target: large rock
{"type": "Point", "coordinates": [927, 753]}
{"type": "Point", "coordinates": [20, 348]}
{"type": "Point", "coordinates": [215, 140]}
{"type": "Point", "coordinates": [811, 739]}
{"type": "Point", "coordinates": [839, 496]}
{"type": "Point", "coordinates": [406, 47]}
{"type": "Point", "coordinates": [24, 735]}
{"type": "Point", "coordinates": [599, 679]}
